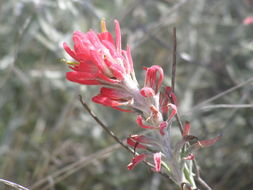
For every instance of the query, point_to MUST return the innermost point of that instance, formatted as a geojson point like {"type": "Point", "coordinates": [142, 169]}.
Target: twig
{"type": "Point", "coordinates": [173, 80]}
{"type": "Point", "coordinates": [12, 184]}
{"type": "Point", "coordinates": [199, 179]}
{"type": "Point", "coordinates": [222, 94]}
{"type": "Point", "coordinates": [174, 60]}
{"type": "Point", "coordinates": [180, 125]}
{"type": "Point", "coordinates": [217, 106]}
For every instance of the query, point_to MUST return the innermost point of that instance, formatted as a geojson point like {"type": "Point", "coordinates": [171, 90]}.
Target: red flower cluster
{"type": "Point", "coordinates": [100, 60]}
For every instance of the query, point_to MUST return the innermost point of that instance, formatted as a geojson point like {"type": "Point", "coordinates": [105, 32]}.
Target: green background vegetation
{"type": "Point", "coordinates": [48, 141]}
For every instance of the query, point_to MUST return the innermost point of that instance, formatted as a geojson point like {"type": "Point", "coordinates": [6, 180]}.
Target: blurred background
{"type": "Point", "coordinates": [48, 141]}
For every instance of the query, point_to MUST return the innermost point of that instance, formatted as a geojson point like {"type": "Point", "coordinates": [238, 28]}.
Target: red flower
{"type": "Point", "coordinates": [100, 59]}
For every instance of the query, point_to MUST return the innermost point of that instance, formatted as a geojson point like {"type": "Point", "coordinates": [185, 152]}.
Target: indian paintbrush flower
{"type": "Point", "coordinates": [100, 60]}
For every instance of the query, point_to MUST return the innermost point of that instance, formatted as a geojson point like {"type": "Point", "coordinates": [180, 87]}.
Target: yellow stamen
{"type": "Point", "coordinates": [69, 62]}
{"type": "Point", "coordinates": [103, 25]}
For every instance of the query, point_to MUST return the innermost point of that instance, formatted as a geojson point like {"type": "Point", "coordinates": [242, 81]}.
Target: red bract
{"type": "Point", "coordinates": [135, 140]}
{"type": "Point", "coordinates": [166, 95]}
{"type": "Point", "coordinates": [206, 143]}
{"type": "Point", "coordinates": [173, 112]}
{"type": "Point", "coordinates": [139, 121]}
{"type": "Point", "coordinates": [100, 59]}
{"type": "Point", "coordinates": [187, 128]}
{"type": "Point", "coordinates": [157, 160]}
{"type": "Point", "coordinates": [136, 160]}
{"type": "Point", "coordinates": [113, 98]}
{"type": "Point", "coordinates": [154, 78]}
{"type": "Point", "coordinates": [147, 92]}
{"type": "Point", "coordinates": [163, 125]}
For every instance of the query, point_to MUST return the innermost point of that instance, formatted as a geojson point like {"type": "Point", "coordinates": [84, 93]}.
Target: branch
{"type": "Point", "coordinates": [180, 125]}
{"type": "Point", "coordinates": [173, 74]}
{"type": "Point", "coordinates": [250, 80]}
{"type": "Point", "coordinates": [12, 184]}
{"type": "Point", "coordinates": [198, 177]}
{"type": "Point", "coordinates": [174, 60]}
{"type": "Point", "coordinates": [217, 106]}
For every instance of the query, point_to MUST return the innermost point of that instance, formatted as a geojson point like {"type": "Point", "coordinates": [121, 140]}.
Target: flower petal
{"type": "Point", "coordinates": [163, 125]}
{"type": "Point", "coordinates": [154, 77]}
{"type": "Point", "coordinates": [118, 36]}
{"type": "Point", "coordinates": [136, 160]}
{"type": "Point", "coordinates": [207, 143]}
{"type": "Point", "coordinates": [106, 36]}
{"type": "Point", "coordinates": [140, 123]}
{"type": "Point", "coordinates": [187, 127]}
{"type": "Point", "coordinates": [142, 139]}
{"type": "Point", "coordinates": [117, 70]}
{"type": "Point", "coordinates": [106, 101]}
{"type": "Point", "coordinates": [135, 143]}
{"type": "Point", "coordinates": [163, 101]}
{"type": "Point", "coordinates": [115, 94]}
{"type": "Point", "coordinates": [173, 112]}
{"type": "Point", "coordinates": [121, 109]}
{"type": "Point", "coordinates": [157, 160]}
{"type": "Point", "coordinates": [168, 91]}
{"type": "Point", "coordinates": [82, 78]}
{"type": "Point", "coordinates": [69, 51]}
{"type": "Point", "coordinates": [130, 59]}
{"type": "Point", "coordinates": [147, 92]}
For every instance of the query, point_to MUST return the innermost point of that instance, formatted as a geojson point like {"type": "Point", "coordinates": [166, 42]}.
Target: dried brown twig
{"type": "Point", "coordinates": [173, 80]}
{"type": "Point", "coordinates": [12, 184]}
{"type": "Point", "coordinates": [174, 60]}
{"type": "Point", "coordinates": [201, 104]}
{"type": "Point", "coordinates": [198, 177]}
{"type": "Point", "coordinates": [179, 122]}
